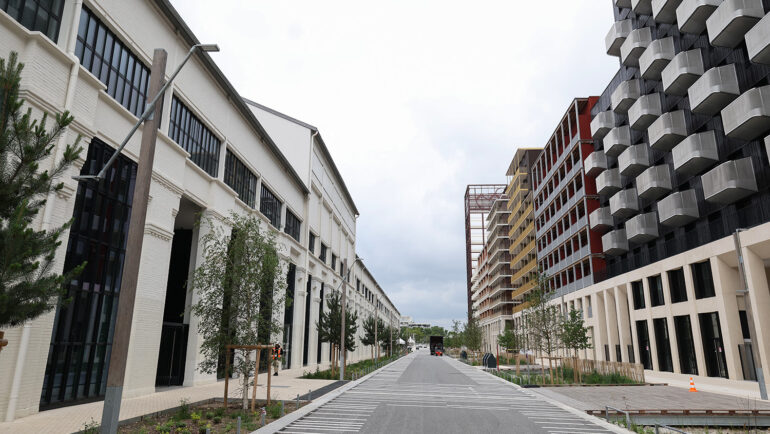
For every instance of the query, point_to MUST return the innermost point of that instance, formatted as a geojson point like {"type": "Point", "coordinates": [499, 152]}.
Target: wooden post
{"type": "Point", "coordinates": [256, 376]}
{"type": "Point", "coordinates": [269, 365]}
{"type": "Point", "coordinates": [227, 372]}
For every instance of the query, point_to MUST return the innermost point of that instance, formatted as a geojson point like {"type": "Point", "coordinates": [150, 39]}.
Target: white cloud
{"type": "Point", "coordinates": [415, 99]}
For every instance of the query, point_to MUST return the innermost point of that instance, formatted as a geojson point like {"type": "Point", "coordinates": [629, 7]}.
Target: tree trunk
{"type": "Point", "coordinates": [517, 365]}
{"type": "Point", "coordinates": [245, 379]}
{"type": "Point", "coordinates": [550, 367]}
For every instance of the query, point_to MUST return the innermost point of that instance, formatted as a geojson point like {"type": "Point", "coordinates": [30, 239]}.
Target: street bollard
{"type": "Point", "coordinates": [262, 417]}
{"type": "Point", "coordinates": [239, 425]}
{"type": "Point", "coordinates": [282, 410]}
{"type": "Point", "coordinates": [309, 395]}
{"type": "Point", "coordinates": [297, 402]}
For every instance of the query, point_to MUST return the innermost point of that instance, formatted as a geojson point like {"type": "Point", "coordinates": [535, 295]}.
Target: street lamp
{"type": "Point", "coordinates": [344, 311]}
{"type": "Point", "coordinates": [148, 112]}
{"type": "Point", "coordinates": [135, 237]}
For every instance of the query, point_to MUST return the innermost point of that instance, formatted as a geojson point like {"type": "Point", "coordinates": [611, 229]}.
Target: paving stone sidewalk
{"type": "Point", "coordinates": [72, 419]}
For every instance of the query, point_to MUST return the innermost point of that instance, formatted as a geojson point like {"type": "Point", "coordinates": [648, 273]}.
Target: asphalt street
{"type": "Point", "coordinates": [421, 393]}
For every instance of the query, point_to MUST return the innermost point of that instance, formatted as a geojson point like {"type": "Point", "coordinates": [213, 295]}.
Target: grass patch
{"type": "Point", "coordinates": [358, 369]}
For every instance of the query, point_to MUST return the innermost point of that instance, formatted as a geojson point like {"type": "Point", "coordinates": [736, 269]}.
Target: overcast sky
{"type": "Point", "coordinates": [415, 99]}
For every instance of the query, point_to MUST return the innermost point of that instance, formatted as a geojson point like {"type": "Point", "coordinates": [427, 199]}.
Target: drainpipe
{"type": "Point", "coordinates": [744, 293]}
{"type": "Point", "coordinates": [21, 357]}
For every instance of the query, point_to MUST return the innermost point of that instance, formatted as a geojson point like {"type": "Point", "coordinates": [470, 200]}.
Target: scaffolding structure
{"type": "Point", "coordinates": [479, 199]}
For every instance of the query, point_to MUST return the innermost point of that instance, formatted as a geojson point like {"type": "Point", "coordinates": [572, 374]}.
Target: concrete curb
{"type": "Point", "coordinates": [601, 422]}
{"type": "Point", "coordinates": [304, 411]}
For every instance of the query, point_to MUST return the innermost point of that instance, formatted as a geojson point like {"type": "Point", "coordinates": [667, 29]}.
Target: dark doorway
{"type": "Point", "coordinates": [643, 337]}
{"type": "Point", "coordinates": [173, 338]}
{"type": "Point", "coordinates": [684, 341]}
{"type": "Point", "coordinates": [713, 348]}
{"type": "Point", "coordinates": [663, 344]}
{"type": "Point", "coordinates": [306, 337]}
{"type": "Point", "coordinates": [81, 340]}
{"type": "Point", "coordinates": [288, 316]}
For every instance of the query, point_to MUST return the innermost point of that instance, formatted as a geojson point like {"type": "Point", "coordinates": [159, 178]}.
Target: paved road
{"type": "Point", "coordinates": [425, 394]}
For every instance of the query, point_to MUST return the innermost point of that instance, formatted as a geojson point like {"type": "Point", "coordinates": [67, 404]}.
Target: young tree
{"type": "Point", "coordinates": [455, 337]}
{"type": "Point", "coordinates": [329, 325]}
{"type": "Point", "coordinates": [574, 336]}
{"type": "Point", "coordinates": [543, 321]}
{"type": "Point", "coordinates": [472, 334]}
{"type": "Point", "coordinates": [28, 285]}
{"type": "Point", "coordinates": [368, 338]}
{"type": "Point", "coordinates": [237, 284]}
{"type": "Point", "coordinates": [511, 341]}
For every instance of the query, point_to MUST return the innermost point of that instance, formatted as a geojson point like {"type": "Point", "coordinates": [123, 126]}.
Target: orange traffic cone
{"type": "Point", "coordinates": [692, 386]}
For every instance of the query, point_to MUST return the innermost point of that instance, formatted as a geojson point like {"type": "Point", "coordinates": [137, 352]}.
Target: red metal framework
{"type": "Point", "coordinates": [479, 199]}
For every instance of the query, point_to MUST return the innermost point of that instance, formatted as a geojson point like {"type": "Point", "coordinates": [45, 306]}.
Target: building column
{"type": "Point", "coordinates": [756, 276]}
{"type": "Point", "coordinates": [611, 317]}
{"type": "Point", "coordinates": [726, 283]}
{"type": "Point", "coordinates": [192, 376]}
{"type": "Point", "coordinates": [312, 343]}
{"type": "Point", "coordinates": [621, 306]}
{"type": "Point", "coordinates": [147, 325]}
{"type": "Point", "coordinates": [697, 338]}
{"type": "Point", "coordinates": [600, 332]}
{"type": "Point", "coordinates": [673, 344]}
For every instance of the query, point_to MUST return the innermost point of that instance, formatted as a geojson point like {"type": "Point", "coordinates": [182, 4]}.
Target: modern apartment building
{"type": "Point", "coordinates": [569, 252]}
{"type": "Point", "coordinates": [216, 154]}
{"type": "Point", "coordinates": [523, 249]}
{"type": "Point", "coordinates": [491, 289]}
{"type": "Point", "coordinates": [479, 199]}
{"type": "Point", "coordinates": [681, 168]}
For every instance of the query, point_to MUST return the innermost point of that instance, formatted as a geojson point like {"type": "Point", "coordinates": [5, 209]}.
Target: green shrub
{"type": "Point", "coordinates": [209, 415]}
{"type": "Point", "coordinates": [273, 410]}
{"type": "Point", "coordinates": [184, 410]}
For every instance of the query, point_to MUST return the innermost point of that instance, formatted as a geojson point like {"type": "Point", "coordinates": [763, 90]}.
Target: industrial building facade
{"type": "Point", "coordinates": [216, 154]}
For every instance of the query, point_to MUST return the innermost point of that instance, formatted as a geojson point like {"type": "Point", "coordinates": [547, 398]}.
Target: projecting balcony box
{"type": "Point", "coordinates": [657, 55]}
{"type": "Point", "coordinates": [641, 7]}
{"type": "Point", "coordinates": [617, 140]}
{"type": "Point", "coordinates": [615, 243]}
{"type": "Point", "coordinates": [642, 228]}
{"type": "Point", "coordinates": [634, 45]}
{"type": "Point", "coordinates": [664, 11]}
{"type": "Point", "coordinates": [634, 160]}
{"type": "Point", "coordinates": [695, 153]}
{"type": "Point", "coordinates": [758, 41]}
{"type": "Point", "coordinates": [714, 90]}
{"type": "Point", "coordinates": [608, 182]}
{"type": "Point", "coordinates": [692, 15]}
{"type": "Point", "coordinates": [729, 182]}
{"type": "Point", "coordinates": [617, 36]}
{"type": "Point", "coordinates": [682, 71]}
{"type": "Point", "coordinates": [748, 117]}
{"type": "Point", "coordinates": [596, 163]}
{"type": "Point", "coordinates": [600, 219]}
{"type": "Point", "coordinates": [654, 182]}
{"type": "Point", "coordinates": [602, 123]}
{"type": "Point", "coordinates": [623, 3]}
{"type": "Point", "coordinates": [624, 203]}
{"type": "Point", "coordinates": [733, 18]}
{"type": "Point", "coordinates": [644, 111]}
{"type": "Point", "coordinates": [678, 209]}
{"type": "Point", "coordinates": [667, 131]}
{"type": "Point", "coordinates": [624, 96]}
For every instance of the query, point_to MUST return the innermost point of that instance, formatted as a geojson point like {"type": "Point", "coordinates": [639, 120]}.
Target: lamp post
{"type": "Point", "coordinates": [344, 312]}
{"type": "Point", "coordinates": [122, 334]}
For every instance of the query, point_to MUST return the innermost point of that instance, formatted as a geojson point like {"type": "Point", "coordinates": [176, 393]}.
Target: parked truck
{"type": "Point", "coordinates": [436, 345]}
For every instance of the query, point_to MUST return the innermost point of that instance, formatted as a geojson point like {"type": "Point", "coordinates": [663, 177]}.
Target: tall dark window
{"type": "Point", "coordinates": [102, 53]}
{"type": "Point", "coordinates": [334, 262]}
{"type": "Point", "coordinates": [637, 291]}
{"type": "Point", "coordinates": [677, 286]}
{"type": "Point", "coordinates": [189, 132]}
{"type": "Point", "coordinates": [713, 347]}
{"type": "Point", "coordinates": [293, 225]}
{"type": "Point", "coordinates": [81, 340]}
{"type": "Point", "coordinates": [36, 15]}
{"type": "Point", "coordinates": [684, 342]}
{"type": "Point", "coordinates": [322, 256]}
{"type": "Point", "coordinates": [311, 243]}
{"type": "Point", "coordinates": [270, 206]}
{"type": "Point", "coordinates": [643, 336]}
{"type": "Point", "coordinates": [240, 179]}
{"type": "Point", "coordinates": [702, 280]}
{"type": "Point", "coordinates": [320, 311]}
{"type": "Point", "coordinates": [308, 298]}
{"type": "Point", "coordinates": [663, 342]}
{"type": "Point", "coordinates": [656, 290]}
{"type": "Point", "coordinates": [288, 315]}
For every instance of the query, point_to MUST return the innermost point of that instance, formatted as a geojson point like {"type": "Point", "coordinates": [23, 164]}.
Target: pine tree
{"type": "Point", "coordinates": [28, 285]}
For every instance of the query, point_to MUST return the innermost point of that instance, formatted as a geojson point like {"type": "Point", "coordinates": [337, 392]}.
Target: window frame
{"type": "Point", "coordinates": [45, 28]}
{"type": "Point", "coordinates": [292, 225]}
{"type": "Point", "coordinates": [187, 130]}
{"type": "Point", "coordinates": [270, 205]}
{"type": "Point", "coordinates": [240, 178]}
